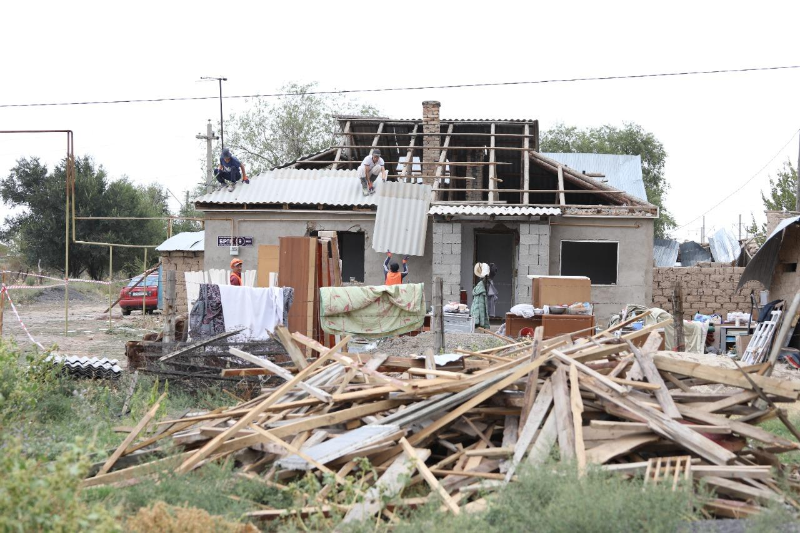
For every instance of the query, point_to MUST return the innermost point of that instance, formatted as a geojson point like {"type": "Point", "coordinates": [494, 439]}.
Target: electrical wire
{"type": "Point", "coordinates": [742, 186]}
{"type": "Point", "coordinates": [417, 88]}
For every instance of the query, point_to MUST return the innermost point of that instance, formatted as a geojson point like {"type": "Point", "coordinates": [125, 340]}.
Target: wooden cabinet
{"type": "Point", "coordinates": [554, 325]}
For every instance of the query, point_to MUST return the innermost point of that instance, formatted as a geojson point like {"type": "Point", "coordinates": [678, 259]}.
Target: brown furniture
{"type": "Point", "coordinates": [561, 290]}
{"type": "Point", "coordinates": [554, 325]}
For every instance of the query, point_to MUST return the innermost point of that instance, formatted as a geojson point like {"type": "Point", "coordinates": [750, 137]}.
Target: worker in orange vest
{"type": "Point", "coordinates": [236, 272]}
{"type": "Point", "coordinates": [392, 273]}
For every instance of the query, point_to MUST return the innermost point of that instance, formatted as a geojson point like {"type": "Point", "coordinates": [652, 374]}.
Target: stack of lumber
{"type": "Point", "coordinates": [464, 432]}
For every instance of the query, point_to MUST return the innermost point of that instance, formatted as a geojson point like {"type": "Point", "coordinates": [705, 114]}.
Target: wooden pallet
{"type": "Point", "coordinates": [662, 469]}
{"type": "Point", "coordinates": [758, 348]}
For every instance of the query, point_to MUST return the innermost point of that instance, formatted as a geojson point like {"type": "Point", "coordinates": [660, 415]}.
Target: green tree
{"type": "Point", "coordinates": [187, 210]}
{"type": "Point", "coordinates": [279, 130]}
{"type": "Point", "coordinates": [631, 139]}
{"type": "Point", "coordinates": [39, 226]}
{"type": "Point", "coordinates": [782, 190]}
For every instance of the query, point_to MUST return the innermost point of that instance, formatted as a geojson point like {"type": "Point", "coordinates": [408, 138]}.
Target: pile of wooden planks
{"type": "Point", "coordinates": [610, 400]}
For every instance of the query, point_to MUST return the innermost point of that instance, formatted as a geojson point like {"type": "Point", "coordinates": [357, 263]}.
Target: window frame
{"type": "Point", "coordinates": [605, 241]}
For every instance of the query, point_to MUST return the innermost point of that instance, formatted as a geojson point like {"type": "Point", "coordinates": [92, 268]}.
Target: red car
{"type": "Point", "coordinates": [131, 297]}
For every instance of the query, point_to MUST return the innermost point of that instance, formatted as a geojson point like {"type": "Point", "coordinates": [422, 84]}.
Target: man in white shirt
{"type": "Point", "coordinates": [372, 168]}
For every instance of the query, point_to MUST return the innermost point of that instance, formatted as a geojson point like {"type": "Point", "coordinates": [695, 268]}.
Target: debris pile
{"type": "Point", "coordinates": [463, 429]}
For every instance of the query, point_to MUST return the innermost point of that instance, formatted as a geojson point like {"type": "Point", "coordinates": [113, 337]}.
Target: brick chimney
{"type": "Point", "coordinates": [430, 124]}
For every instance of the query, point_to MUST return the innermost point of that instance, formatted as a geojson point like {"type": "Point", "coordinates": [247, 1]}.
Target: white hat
{"type": "Point", "coordinates": [481, 270]}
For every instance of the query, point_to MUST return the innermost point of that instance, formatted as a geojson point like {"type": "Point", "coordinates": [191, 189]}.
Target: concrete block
{"type": "Point", "coordinates": [529, 239]}
{"type": "Point", "coordinates": [437, 248]}
{"type": "Point", "coordinates": [451, 238]}
{"type": "Point", "coordinates": [524, 229]}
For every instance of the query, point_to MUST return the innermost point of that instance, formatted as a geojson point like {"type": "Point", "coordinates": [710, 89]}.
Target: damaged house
{"type": "Point", "coordinates": [458, 192]}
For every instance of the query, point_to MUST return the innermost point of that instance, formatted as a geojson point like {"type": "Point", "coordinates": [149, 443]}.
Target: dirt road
{"type": "Point", "coordinates": [89, 331]}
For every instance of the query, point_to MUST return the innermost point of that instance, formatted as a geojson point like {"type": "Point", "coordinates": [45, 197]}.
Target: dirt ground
{"type": "Point", "coordinates": [89, 332]}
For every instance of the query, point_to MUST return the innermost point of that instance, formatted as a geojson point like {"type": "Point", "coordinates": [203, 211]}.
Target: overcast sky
{"type": "Point", "coordinates": [718, 130]}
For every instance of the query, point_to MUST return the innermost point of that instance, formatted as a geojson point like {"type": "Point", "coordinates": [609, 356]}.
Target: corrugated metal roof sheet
{"type": "Point", "coordinates": [665, 252]}
{"type": "Point", "coordinates": [692, 253]}
{"type": "Point", "coordinates": [492, 210]}
{"type": "Point", "coordinates": [401, 222]}
{"type": "Point", "coordinates": [725, 247]}
{"type": "Point", "coordinates": [623, 172]}
{"type": "Point", "coordinates": [296, 186]}
{"type": "Point", "coordinates": [762, 265]}
{"type": "Point", "coordinates": [188, 241]}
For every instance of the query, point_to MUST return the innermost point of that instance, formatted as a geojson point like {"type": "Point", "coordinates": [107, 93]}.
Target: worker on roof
{"type": "Point", "coordinates": [391, 272]}
{"type": "Point", "coordinates": [236, 272]}
{"type": "Point", "coordinates": [371, 168]}
{"type": "Point", "coordinates": [230, 170]}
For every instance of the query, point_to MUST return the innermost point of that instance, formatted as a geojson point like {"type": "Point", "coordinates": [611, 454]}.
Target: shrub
{"type": "Point", "coordinates": [44, 496]}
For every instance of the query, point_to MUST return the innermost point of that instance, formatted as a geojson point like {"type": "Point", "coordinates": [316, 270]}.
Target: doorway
{"type": "Point", "coordinates": [351, 249]}
{"type": "Point", "coordinates": [498, 248]}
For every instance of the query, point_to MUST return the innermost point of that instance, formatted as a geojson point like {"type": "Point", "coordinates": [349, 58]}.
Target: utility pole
{"type": "Point", "coordinates": [703, 231]}
{"type": "Point", "coordinates": [209, 136]}
{"type": "Point", "coordinates": [740, 227]}
{"type": "Point", "coordinates": [219, 79]}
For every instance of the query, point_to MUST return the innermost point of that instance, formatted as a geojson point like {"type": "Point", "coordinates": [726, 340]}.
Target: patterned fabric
{"type": "Point", "coordinates": [372, 312]}
{"type": "Point", "coordinates": [288, 300]}
{"type": "Point", "coordinates": [206, 319]}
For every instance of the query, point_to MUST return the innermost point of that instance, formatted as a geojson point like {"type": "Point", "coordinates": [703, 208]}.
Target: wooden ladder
{"type": "Point", "coordinates": [662, 469]}
{"type": "Point", "coordinates": [758, 347]}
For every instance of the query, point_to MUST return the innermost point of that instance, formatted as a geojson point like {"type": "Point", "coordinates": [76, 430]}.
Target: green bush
{"type": "Point", "coordinates": [553, 499]}
{"type": "Point", "coordinates": [44, 496]}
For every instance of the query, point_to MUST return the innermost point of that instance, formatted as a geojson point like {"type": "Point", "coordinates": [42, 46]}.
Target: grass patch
{"type": "Point", "coordinates": [553, 499]}
{"type": "Point", "coordinates": [776, 426]}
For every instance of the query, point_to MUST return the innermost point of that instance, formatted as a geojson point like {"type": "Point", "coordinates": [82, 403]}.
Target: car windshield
{"type": "Point", "coordinates": [152, 281]}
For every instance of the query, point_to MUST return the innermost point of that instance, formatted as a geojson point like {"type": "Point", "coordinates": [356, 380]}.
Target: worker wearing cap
{"type": "Point", "coordinates": [236, 272]}
{"type": "Point", "coordinates": [230, 170]}
{"type": "Point", "coordinates": [391, 272]}
{"type": "Point", "coordinates": [372, 168]}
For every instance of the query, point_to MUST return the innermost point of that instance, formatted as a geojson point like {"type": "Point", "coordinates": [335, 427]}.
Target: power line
{"type": "Point", "coordinates": [742, 186]}
{"type": "Point", "coordinates": [417, 88]}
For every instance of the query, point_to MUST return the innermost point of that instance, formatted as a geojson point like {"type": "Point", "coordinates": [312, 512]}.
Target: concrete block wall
{"type": "Point", "coordinates": [430, 125]}
{"type": "Point", "coordinates": [533, 258]}
{"type": "Point", "coordinates": [447, 257]}
{"type": "Point", "coordinates": [707, 288]}
{"type": "Point", "coordinates": [181, 262]}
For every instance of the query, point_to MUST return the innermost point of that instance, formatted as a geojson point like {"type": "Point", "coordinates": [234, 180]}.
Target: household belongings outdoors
{"type": "Point", "coordinates": [462, 434]}
{"type": "Point", "coordinates": [252, 311]}
{"type": "Point", "coordinates": [457, 318]}
{"type": "Point", "coordinates": [372, 312]}
{"type": "Point", "coordinates": [561, 305]}
{"type": "Point", "coordinates": [694, 333]}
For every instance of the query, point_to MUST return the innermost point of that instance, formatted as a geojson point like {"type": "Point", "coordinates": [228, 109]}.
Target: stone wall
{"type": "Point", "coordinates": [447, 258]}
{"type": "Point", "coordinates": [707, 288]}
{"type": "Point", "coordinates": [181, 262]}
{"type": "Point", "coordinates": [431, 127]}
{"type": "Point", "coordinates": [533, 258]}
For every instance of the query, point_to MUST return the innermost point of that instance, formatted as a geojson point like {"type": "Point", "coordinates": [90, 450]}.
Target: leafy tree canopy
{"type": "Point", "coordinates": [274, 131]}
{"type": "Point", "coordinates": [782, 190]}
{"type": "Point", "coordinates": [39, 227]}
{"type": "Point", "coordinates": [631, 139]}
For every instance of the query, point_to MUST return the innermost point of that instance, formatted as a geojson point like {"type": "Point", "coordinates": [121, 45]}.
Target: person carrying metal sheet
{"type": "Point", "coordinates": [372, 168]}
{"type": "Point", "coordinates": [391, 272]}
{"type": "Point", "coordinates": [230, 170]}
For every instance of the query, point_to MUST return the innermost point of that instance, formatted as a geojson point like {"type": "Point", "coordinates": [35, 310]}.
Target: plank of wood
{"type": "Point", "coordinates": [645, 359]}
{"type": "Point", "coordinates": [430, 362]}
{"type": "Point", "coordinates": [642, 385]}
{"type": "Point", "coordinates": [389, 485]}
{"type": "Point", "coordinates": [254, 413]}
{"type": "Point", "coordinates": [663, 425]}
{"type": "Point", "coordinates": [739, 490]}
{"type": "Point", "coordinates": [576, 404]}
{"type": "Point", "coordinates": [732, 377]}
{"type": "Point", "coordinates": [742, 428]}
{"type": "Point", "coordinates": [296, 354]}
{"type": "Point", "coordinates": [291, 449]}
{"type": "Point", "coordinates": [320, 394]}
{"type": "Point", "coordinates": [490, 452]}
{"type": "Point", "coordinates": [198, 344]}
{"type": "Point", "coordinates": [605, 452]}
{"type": "Point", "coordinates": [533, 378]}
{"type": "Point", "coordinates": [568, 360]}
{"type": "Point", "coordinates": [601, 353]}
{"type": "Point", "coordinates": [534, 419]}
{"type": "Point", "coordinates": [429, 477]}
{"type": "Point", "coordinates": [730, 401]}
{"type": "Point", "coordinates": [563, 412]}
{"type": "Point", "coordinates": [540, 451]}
{"type": "Point", "coordinates": [440, 373]}
{"type": "Point", "coordinates": [132, 435]}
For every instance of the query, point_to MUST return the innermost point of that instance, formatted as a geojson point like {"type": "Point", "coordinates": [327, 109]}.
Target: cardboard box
{"type": "Point", "coordinates": [268, 261]}
{"type": "Point", "coordinates": [561, 290]}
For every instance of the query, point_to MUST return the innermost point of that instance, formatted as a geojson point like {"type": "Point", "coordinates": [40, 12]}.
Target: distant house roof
{"type": "Point", "coordinates": [665, 252]}
{"type": "Point", "coordinates": [623, 172]}
{"type": "Point", "coordinates": [295, 186]}
{"type": "Point", "coordinates": [188, 241]}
